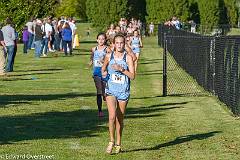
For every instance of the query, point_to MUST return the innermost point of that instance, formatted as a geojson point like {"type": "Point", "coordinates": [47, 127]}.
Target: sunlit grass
{"type": "Point", "coordinates": [48, 107]}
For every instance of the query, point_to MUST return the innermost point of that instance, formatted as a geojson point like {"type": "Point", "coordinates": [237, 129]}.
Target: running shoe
{"type": "Point", "coordinates": [110, 147]}
{"type": "Point", "coordinates": [100, 114]}
{"type": "Point", "coordinates": [117, 149]}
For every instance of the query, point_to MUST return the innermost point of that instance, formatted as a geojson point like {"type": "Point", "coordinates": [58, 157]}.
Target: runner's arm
{"type": "Point", "coordinates": [130, 52]}
{"type": "Point", "coordinates": [130, 72]}
{"type": "Point", "coordinates": [140, 41]}
{"type": "Point", "coordinates": [105, 64]}
{"type": "Point", "coordinates": [91, 57]}
{"type": "Point", "coordinates": [3, 44]}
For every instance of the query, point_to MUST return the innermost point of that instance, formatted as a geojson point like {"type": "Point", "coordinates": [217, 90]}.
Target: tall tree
{"type": "Point", "coordinates": [162, 10]}
{"type": "Point", "coordinates": [231, 11]}
{"type": "Point", "coordinates": [194, 11]}
{"type": "Point", "coordinates": [72, 8]}
{"type": "Point", "coordinates": [104, 12]}
{"type": "Point", "coordinates": [21, 10]}
{"type": "Point", "coordinates": [137, 9]}
{"type": "Point", "coordinates": [209, 14]}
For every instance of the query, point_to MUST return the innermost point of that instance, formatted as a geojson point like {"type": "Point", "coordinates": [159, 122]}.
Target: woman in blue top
{"type": "Point", "coordinates": [136, 43]}
{"type": "Point", "coordinates": [118, 65]}
{"type": "Point", "coordinates": [67, 38]}
{"type": "Point", "coordinates": [97, 58]}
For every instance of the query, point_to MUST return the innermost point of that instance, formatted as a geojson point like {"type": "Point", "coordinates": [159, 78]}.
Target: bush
{"type": "Point", "coordinates": [104, 12]}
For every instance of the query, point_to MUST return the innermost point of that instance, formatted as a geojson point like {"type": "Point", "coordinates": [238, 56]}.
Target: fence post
{"type": "Point", "coordinates": [165, 65]}
{"type": "Point", "coordinates": [212, 63]}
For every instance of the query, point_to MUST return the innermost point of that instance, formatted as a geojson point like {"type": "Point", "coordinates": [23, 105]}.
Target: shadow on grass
{"type": "Point", "coordinates": [82, 50]}
{"type": "Point", "coordinates": [88, 42]}
{"type": "Point", "coordinates": [179, 140]}
{"type": "Point", "coordinates": [82, 54]}
{"type": "Point", "coordinates": [15, 79]}
{"type": "Point", "coordinates": [15, 99]}
{"type": "Point", "coordinates": [196, 93]}
{"type": "Point", "coordinates": [146, 97]}
{"type": "Point", "coordinates": [50, 125]}
{"type": "Point", "coordinates": [26, 74]}
{"type": "Point", "coordinates": [152, 110]}
{"type": "Point", "coordinates": [46, 69]}
{"type": "Point", "coordinates": [57, 125]}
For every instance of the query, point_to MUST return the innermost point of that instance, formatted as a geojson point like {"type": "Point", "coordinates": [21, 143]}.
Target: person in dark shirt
{"type": "Point", "coordinates": [38, 38]}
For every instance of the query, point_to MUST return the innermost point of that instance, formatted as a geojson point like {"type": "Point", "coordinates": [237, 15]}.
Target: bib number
{"type": "Point", "coordinates": [98, 63]}
{"type": "Point", "coordinates": [135, 46]}
{"type": "Point", "coordinates": [116, 78]}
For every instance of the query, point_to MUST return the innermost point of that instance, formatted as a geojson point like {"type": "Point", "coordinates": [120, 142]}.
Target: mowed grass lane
{"type": "Point", "coordinates": [47, 107]}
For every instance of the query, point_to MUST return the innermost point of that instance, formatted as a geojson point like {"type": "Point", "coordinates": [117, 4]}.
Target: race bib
{"type": "Point", "coordinates": [116, 78]}
{"type": "Point", "coordinates": [135, 46]}
{"type": "Point", "coordinates": [98, 63]}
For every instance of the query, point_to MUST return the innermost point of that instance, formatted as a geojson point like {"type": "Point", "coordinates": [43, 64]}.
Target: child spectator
{"type": "Point", "coordinates": [151, 28]}
{"type": "Point", "coordinates": [88, 32]}
{"type": "Point", "coordinates": [25, 38]}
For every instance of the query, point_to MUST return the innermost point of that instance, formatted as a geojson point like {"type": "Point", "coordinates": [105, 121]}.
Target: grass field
{"type": "Point", "coordinates": [234, 31]}
{"type": "Point", "coordinates": [47, 107]}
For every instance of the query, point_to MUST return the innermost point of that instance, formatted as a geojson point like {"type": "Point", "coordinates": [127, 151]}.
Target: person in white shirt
{"type": "Point", "coordinates": [151, 28]}
{"type": "Point", "coordinates": [73, 27]}
{"type": "Point", "coordinates": [193, 26]}
{"type": "Point", "coordinates": [47, 31]}
{"type": "Point", "coordinates": [30, 24]}
{"type": "Point", "coordinates": [9, 38]}
{"type": "Point", "coordinates": [176, 22]}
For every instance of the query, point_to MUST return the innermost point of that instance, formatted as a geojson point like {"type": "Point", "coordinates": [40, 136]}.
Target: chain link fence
{"type": "Point", "coordinates": [213, 62]}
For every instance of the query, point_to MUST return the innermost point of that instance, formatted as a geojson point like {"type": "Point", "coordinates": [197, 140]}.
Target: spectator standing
{"type": "Point", "coordinates": [60, 28]}
{"type": "Point", "coordinates": [2, 54]}
{"type": "Point", "coordinates": [73, 27]}
{"type": "Point", "coordinates": [56, 36]}
{"type": "Point", "coordinates": [151, 29]}
{"type": "Point", "coordinates": [193, 26]}
{"type": "Point", "coordinates": [47, 31]}
{"type": "Point", "coordinates": [25, 38]}
{"type": "Point", "coordinates": [176, 23]}
{"type": "Point", "coordinates": [51, 38]}
{"type": "Point", "coordinates": [38, 38]}
{"type": "Point", "coordinates": [67, 38]}
{"type": "Point", "coordinates": [30, 26]}
{"type": "Point", "coordinates": [15, 44]}
{"type": "Point", "coordinates": [88, 32]}
{"type": "Point", "coordinates": [9, 38]}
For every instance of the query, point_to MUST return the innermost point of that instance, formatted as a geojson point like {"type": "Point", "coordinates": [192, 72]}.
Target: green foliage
{"type": "Point", "coordinates": [137, 9]}
{"type": "Point", "coordinates": [73, 8]}
{"type": "Point", "coordinates": [104, 12]}
{"type": "Point", "coordinates": [209, 14]}
{"type": "Point", "coordinates": [217, 12]}
{"type": "Point", "coordinates": [21, 10]}
{"type": "Point", "coordinates": [162, 10]}
{"type": "Point", "coordinates": [194, 11]}
{"type": "Point", "coordinates": [153, 10]}
{"type": "Point", "coordinates": [56, 114]}
{"type": "Point", "coordinates": [231, 11]}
